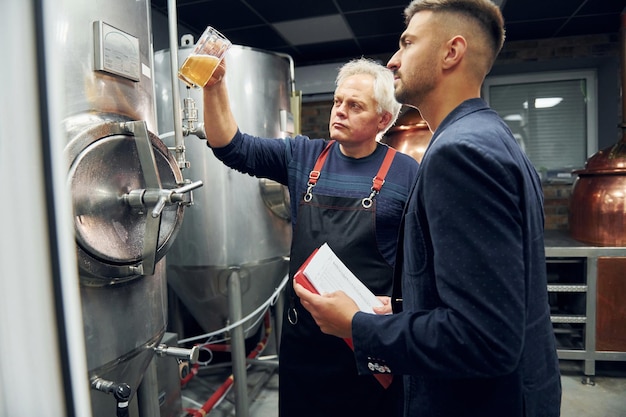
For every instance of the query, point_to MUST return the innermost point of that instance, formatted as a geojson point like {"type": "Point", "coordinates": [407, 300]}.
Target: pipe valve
{"type": "Point", "coordinates": [190, 119]}
{"type": "Point", "coordinates": [121, 392]}
{"type": "Point", "coordinates": [159, 197]}
{"type": "Point", "coordinates": [181, 353]}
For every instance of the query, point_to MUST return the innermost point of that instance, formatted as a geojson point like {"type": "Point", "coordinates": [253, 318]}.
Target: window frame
{"type": "Point", "coordinates": [590, 77]}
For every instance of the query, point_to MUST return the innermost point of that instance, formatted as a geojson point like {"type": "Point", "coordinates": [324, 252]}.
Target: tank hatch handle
{"type": "Point", "coordinates": [152, 196]}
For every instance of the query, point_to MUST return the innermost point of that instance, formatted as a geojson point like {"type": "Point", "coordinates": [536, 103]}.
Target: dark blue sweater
{"type": "Point", "coordinates": [289, 161]}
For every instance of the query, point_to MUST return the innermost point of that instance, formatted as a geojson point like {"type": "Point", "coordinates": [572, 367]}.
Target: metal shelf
{"type": "Point", "coordinates": [560, 248]}
{"type": "Point", "coordinates": [567, 288]}
{"type": "Point", "coordinates": [568, 319]}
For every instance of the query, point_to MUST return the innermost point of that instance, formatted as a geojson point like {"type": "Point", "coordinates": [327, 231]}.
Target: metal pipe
{"type": "Point", "coordinates": [238, 351]}
{"type": "Point", "coordinates": [295, 97]}
{"type": "Point", "coordinates": [292, 69]}
{"type": "Point", "coordinates": [121, 392]}
{"type": "Point", "coordinates": [179, 141]}
{"type": "Point", "coordinates": [623, 71]}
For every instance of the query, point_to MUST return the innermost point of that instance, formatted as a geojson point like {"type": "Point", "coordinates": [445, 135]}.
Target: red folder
{"type": "Point", "coordinates": [383, 379]}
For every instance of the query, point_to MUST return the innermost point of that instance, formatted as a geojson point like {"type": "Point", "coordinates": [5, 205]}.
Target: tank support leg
{"type": "Point", "coordinates": [278, 319]}
{"type": "Point", "coordinates": [238, 345]}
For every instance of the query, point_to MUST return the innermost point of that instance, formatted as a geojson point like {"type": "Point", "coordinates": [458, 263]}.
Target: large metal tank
{"type": "Point", "coordinates": [238, 222]}
{"type": "Point", "coordinates": [126, 190]}
{"type": "Point", "coordinates": [598, 204]}
{"type": "Point", "coordinates": [410, 134]}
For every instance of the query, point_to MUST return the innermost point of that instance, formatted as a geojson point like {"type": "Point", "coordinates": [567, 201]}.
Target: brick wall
{"type": "Point", "coordinates": [315, 115]}
{"type": "Point", "coordinates": [559, 48]}
{"type": "Point", "coordinates": [556, 205]}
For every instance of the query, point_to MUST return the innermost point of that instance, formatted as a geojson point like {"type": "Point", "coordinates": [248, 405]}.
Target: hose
{"type": "Point", "coordinates": [270, 301]}
{"type": "Point", "coordinates": [222, 391]}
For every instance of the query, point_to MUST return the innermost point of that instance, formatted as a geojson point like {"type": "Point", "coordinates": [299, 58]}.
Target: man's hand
{"type": "Point", "coordinates": [220, 124]}
{"type": "Point", "coordinates": [332, 312]}
{"type": "Point", "coordinates": [217, 75]}
{"type": "Point", "coordinates": [386, 307]}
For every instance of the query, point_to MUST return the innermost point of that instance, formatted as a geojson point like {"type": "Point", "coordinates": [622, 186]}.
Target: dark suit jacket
{"type": "Point", "coordinates": [474, 337]}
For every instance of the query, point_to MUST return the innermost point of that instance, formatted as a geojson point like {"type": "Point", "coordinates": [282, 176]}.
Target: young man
{"type": "Point", "coordinates": [474, 336]}
{"type": "Point", "coordinates": [317, 372]}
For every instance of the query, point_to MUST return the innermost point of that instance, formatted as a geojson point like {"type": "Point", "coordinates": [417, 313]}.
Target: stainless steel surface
{"type": "Point", "coordinates": [104, 168]}
{"type": "Point", "coordinates": [229, 226]}
{"type": "Point", "coordinates": [42, 356]}
{"type": "Point", "coordinates": [121, 321]}
{"type": "Point", "coordinates": [88, 90]}
{"type": "Point", "coordinates": [276, 198]}
{"type": "Point", "coordinates": [123, 324]}
{"type": "Point", "coordinates": [147, 399]}
{"type": "Point", "coordinates": [117, 171]}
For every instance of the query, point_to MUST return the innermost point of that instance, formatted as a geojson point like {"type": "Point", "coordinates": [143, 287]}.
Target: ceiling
{"type": "Point", "coordinates": [325, 31]}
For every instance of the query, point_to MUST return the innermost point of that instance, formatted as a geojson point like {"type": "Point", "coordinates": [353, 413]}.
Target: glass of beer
{"type": "Point", "coordinates": [207, 54]}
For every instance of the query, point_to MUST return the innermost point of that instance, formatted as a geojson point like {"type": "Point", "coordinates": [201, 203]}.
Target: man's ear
{"type": "Point", "coordinates": [384, 120]}
{"type": "Point", "coordinates": [456, 48]}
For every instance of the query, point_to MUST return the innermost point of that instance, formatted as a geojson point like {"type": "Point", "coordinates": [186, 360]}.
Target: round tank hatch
{"type": "Point", "coordinates": [112, 235]}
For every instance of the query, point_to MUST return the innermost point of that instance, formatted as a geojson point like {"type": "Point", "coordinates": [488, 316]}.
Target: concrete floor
{"type": "Point", "coordinates": [607, 398]}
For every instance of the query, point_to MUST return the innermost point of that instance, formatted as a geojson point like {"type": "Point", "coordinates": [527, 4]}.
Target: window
{"type": "Point", "coordinates": [552, 115]}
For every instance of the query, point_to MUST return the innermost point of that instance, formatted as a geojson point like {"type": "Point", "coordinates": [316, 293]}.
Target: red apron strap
{"type": "Point", "coordinates": [379, 179]}
{"type": "Point", "coordinates": [315, 174]}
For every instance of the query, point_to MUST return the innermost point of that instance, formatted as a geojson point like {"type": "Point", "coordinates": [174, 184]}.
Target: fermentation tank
{"type": "Point", "coordinates": [238, 222]}
{"type": "Point", "coordinates": [128, 193]}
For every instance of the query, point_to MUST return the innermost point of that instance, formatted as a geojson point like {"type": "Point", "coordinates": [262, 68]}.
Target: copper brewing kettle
{"type": "Point", "coordinates": [410, 134]}
{"type": "Point", "coordinates": [598, 204]}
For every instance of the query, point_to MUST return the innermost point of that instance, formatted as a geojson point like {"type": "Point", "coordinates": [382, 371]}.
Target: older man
{"type": "Point", "coordinates": [334, 200]}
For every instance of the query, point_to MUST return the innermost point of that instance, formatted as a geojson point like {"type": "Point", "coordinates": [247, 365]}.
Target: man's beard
{"type": "Point", "coordinates": [404, 96]}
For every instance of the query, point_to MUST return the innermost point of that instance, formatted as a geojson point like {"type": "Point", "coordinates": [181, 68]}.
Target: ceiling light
{"type": "Point", "coordinates": [544, 103]}
{"type": "Point", "coordinates": [314, 30]}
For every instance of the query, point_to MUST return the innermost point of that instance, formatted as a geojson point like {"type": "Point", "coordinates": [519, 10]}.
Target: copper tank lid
{"type": "Point", "coordinates": [409, 119]}
{"type": "Point", "coordinates": [611, 160]}
{"type": "Point", "coordinates": [410, 134]}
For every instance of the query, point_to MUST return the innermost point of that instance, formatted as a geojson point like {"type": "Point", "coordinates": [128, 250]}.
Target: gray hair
{"type": "Point", "coordinates": [383, 86]}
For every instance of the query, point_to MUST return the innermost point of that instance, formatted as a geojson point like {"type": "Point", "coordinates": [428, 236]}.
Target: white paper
{"type": "Point", "coordinates": [328, 274]}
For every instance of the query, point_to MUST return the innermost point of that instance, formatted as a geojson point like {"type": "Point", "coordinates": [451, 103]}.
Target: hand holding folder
{"type": "Point", "coordinates": [323, 272]}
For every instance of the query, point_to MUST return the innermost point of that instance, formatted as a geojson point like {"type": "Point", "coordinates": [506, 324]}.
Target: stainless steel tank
{"type": "Point", "coordinates": [238, 222]}
{"type": "Point", "coordinates": [127, 190]}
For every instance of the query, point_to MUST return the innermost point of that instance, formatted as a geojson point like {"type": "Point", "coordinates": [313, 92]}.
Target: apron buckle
{"type": "Point", "coordinates": [367, 201]}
